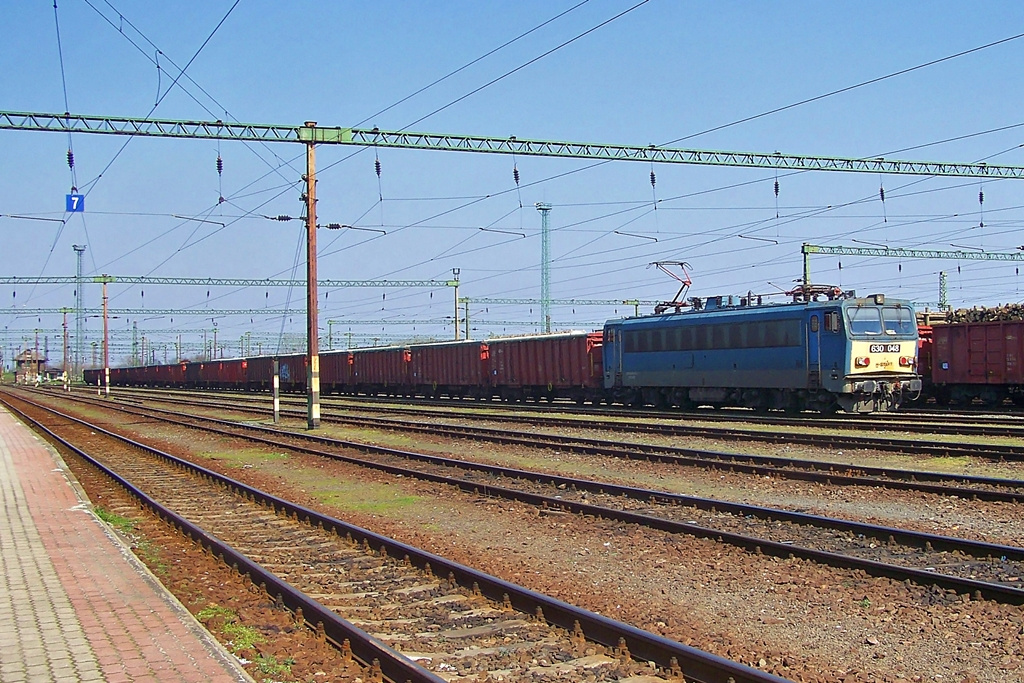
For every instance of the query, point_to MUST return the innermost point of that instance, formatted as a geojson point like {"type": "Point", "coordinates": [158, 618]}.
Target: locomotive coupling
{"type": "Point", "coordinates": [875, 386]}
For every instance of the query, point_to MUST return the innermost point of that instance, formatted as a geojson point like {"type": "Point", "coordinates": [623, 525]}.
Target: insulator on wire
{"type": "Point", "coordinates": [220, 165]}
{"type": "Point", "coordinates": [881, 193]}
{"type": "Point", "coordinates": [515, 175]}
{"type": "Point", "coordinates": [840, 265]}
{"type": "Point", "coordinates": [376, 166]}
{"type": "Point", "coordinates": [776, 189]}
{"type": "Point", "coordinates": [981, 196]}
{"type": "Point", "coordinates": [653, 179]}
{"type": "Point", "coordinates": [71, 159]}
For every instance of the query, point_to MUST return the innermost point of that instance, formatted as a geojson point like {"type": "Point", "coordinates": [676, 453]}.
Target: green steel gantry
{"type": "Point", "coordinates": [375, 137]}
{"type": "Point", "coordinates": [224, 282]}
{"type": "Point", "coordinates": [899, 252]}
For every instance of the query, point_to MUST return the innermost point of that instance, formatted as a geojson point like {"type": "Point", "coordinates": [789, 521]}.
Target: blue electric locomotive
{"type": "Point", "coordinates": [857, 354]}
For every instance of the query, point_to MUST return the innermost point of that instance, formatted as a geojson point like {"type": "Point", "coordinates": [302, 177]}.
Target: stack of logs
{"type": "Point", "coordinates": [1005, 312]}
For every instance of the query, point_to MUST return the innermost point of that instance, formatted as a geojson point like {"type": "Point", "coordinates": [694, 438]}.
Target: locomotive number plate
{"type": "Point", "coordinates": [885, 348]}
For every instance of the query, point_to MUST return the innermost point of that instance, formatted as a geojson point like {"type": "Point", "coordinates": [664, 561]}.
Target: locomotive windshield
{"type": "Point", "coordinates": [898, 321]}
{"type": "Point", "coordinates": [864, 320]}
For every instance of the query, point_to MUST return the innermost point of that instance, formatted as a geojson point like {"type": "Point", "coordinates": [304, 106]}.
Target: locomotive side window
{"type": "Point", "coordinates": [720, 337]}
{"type": "Point", "coordinates": [899, 320]}
{"type": "Point", "coordinates": [687, 338]}
{"type": "Point", "coordinates": [832, 321]}
{"type": "Point", "coordinates": [864, 320]}
{"type": "Point", "coordinates": [814, 323]}
{"type": "Point", "coordinates": [753, 335]}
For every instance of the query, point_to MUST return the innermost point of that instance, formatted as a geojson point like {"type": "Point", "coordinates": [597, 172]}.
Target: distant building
{"type": "Point", "coordinates": [28, 366]}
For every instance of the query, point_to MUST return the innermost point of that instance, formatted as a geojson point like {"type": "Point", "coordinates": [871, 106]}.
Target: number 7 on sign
{"type": "Point", "coordinates": [75, 203]}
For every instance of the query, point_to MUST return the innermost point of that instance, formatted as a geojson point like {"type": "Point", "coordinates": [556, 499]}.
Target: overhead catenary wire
{"type": "Point", "coordinates": [472, 62]}
{"type": "Point", "coordinates": [525, 64]}
{"type": "Point", "coordinates": [855, 86]}
{"type": "Point", "coordinates": [92, 183]}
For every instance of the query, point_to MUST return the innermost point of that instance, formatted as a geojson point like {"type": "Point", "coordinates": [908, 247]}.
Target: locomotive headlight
{"type": "Point", "coordinates": [906, 361]}
{"type": "Point", "coordinates": [862, 361]}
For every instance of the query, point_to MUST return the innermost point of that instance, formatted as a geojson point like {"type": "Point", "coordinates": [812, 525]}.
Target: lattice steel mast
{"type": "Point", "coordinates": [545, 265]}
{"type": "Point", "coordinates": [79, 313]}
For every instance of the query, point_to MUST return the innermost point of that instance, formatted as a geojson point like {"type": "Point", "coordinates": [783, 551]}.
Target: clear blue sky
{"type": "Point", "coordinates": [664, 71]}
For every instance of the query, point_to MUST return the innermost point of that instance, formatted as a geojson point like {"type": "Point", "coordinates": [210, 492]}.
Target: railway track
{"type": "Point", "coordinates": [618, 423]}
{"type": "Point", "coordinates": [822, 472]}
{"type": "Point", "coordinates": [451, 619]}
{"type": "Point", "coordinates": [957, 566]}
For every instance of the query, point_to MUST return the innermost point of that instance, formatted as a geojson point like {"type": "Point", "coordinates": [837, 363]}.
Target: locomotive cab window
{"type": "Point", "coordinates": [899, 320]}
{"type": "Point", "coordinates": [864, 321]}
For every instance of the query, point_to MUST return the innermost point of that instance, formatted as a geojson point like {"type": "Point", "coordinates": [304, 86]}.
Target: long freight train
{"type": "Point", "coordinates": [854, 354]}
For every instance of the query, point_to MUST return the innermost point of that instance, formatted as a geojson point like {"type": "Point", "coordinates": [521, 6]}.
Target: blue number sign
{"type": "Point", "coordinates": [75, 203]}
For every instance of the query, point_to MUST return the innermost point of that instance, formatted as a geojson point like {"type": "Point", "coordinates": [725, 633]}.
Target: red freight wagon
{"type": "Point", "coordinates": [450, 369]}
{"type": "Point", "coordinates": [193, 374]}
{"type": "Point", "coordinates": [292, 370]}
{"type": "Point", "coordinates": [547, 366]}
{"type": "Point", "coordinates": [336, 371]}
{"type": "Point", "coordinates": [163, 375]}
{"type": "Point", "coordinates": [978, 360]}
{"type": "Point", "coordinates": [224, 374]}
{"type": "Point", "coordinates": [382, 370]}
{"type": "Point", "coordinates": [259, 372]}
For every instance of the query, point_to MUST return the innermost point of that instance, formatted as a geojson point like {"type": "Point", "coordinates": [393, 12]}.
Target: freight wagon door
{"type": "Point", "coordinates": [1013, 339]}
{"type": "Point", "coordinates": [995, 355]}
{"type": "Point", "coordinates": [985, 354]}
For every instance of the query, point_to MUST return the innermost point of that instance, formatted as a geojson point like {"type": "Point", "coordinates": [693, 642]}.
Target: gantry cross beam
{"type": "Point", "coordinates": [225, 282]}
{"type": "Point", "coordinates": [327, 135]}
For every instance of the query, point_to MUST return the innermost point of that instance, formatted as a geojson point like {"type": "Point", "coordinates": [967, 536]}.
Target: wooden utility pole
{"type": "Point", "coordinates": [312, 326]}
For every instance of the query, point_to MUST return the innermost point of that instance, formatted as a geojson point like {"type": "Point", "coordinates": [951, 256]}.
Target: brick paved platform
{"type": "Point", "coordinates": [75, 604]}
